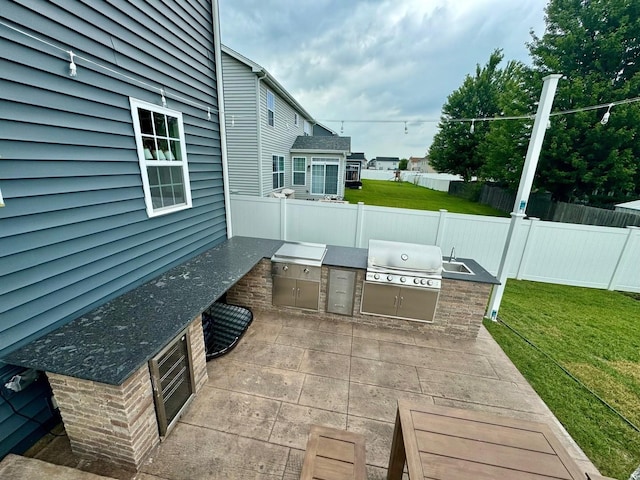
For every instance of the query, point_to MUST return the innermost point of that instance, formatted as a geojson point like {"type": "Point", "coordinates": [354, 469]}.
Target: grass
{"type": "Point", "coordinates": [407, 195]}
{"type": "Point", "coordinates": [595, 335]}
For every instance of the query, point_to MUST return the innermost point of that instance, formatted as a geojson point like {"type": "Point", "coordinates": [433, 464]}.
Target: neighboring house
{"type": "Point", "coordinates": [319, 166]}
{"type": "Point", "coordinates": [420, 164]}
{"type": "Point", "coordinates": [629, 207]}
{"type": "Point", "coordinates": [320, 130]}
{"type": "Point", "coordinates": [355, 163]}
{"type": "Point", "coordinates": [263, 121]}
{"type": "Point", "coordinates": [386, 163]}
{"type": "Point", "coordinates": [104, 186]}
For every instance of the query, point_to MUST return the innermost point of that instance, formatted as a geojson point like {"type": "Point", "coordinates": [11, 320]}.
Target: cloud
{"type": "Point", "coordinates": [378, 59]}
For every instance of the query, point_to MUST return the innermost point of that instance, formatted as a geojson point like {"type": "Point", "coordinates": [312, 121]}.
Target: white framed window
{"type": "Point", "coordinates": [296, 119]}
{"type": "Point", "coordinates": [299, 171]}
{"type": "Point", "coordinates": [162, 154]}
{"type": "Point", "coordinates": [306, 127]}
{"type": "Point", "coordinates": [271, 108]}
{"type": "Point", "coordinates": [278, 171]}
{"type": "Point", "coordinates": [353, 172]}
{"type": "Point", "coordinates": [324, 176]}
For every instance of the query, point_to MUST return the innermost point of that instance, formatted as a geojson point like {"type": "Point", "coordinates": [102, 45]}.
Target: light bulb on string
{"type": "Point", "coordinates": [607, 114]}
{"type": "Point", "coordinates": [342, 127]}
{"type": "Point", "coordinates": [472, 128]}
{"type": "Point", "coordinates": [73, 70]}
{"type": "Point", "coordinates": [406, 130]}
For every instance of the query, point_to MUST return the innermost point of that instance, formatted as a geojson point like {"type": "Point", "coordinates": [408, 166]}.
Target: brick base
{"type": "Point", "coordinates": [118, 423]}
{"type": "Point", "coordinates": [461, 305]}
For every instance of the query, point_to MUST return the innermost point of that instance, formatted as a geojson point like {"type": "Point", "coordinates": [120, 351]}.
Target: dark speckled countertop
{"type": "Point", "coordinates": [111, 342]}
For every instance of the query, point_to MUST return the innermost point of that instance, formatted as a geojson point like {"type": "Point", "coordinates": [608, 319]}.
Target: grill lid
{"type": "Point", "coordinates": [301, 253]}
{"type": "Point", "coordinates": [384, 254]}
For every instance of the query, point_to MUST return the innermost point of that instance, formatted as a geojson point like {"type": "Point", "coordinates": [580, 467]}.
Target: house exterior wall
{"type": "Point", "coordinates": [277, 140]}
{"type": "Point", "coordinates": [304, 192]}
{"type": "Point", "coordinates": [240, 87]}
{"type": "Point", "coordinates": [74, 232]}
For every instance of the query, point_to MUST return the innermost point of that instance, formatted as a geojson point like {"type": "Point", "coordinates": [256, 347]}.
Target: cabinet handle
{"type": "Point", "coordinates": [395, 300]}
{"type": "Point", "coordinates": [298, 295]}
{"type": "Point", "coordinates": [293, 292]}
{"type": "Point", "coordinates": [400, 306]}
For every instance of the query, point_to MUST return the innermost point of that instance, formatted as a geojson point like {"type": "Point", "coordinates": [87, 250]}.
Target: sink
{"type": "Point", "coordinates": [456, 267]}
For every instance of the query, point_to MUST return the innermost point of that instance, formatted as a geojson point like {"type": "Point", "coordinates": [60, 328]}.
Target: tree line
{"type": "Point", "coordinates": [595, 45]}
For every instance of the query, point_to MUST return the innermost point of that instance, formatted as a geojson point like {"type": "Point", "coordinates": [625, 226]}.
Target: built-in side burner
{"type": "Point", "coordinates": [296, 274]}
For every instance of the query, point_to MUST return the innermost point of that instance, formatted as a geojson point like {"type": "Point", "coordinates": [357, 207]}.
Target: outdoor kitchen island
{"type": "Point", "coordinates": [99, 364]}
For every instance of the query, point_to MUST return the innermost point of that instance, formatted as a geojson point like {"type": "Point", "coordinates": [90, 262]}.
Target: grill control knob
{"type": "Point", "coordinates": [429, 282]}
{"type": "Point", "coordinates": [424, 281]}
{"type": "Point", "coordinates": [402, 279]}
{"type": "Point", "coordinates": [306, 270]}
{"type": "Point", "coordinates": [389, 277]}
{"type": "Point", "coordinates": [416, 281]}
{"type": "Point", "coordinates": [376, 276]}
{"type": "Point", "coordinates": [285, 268]}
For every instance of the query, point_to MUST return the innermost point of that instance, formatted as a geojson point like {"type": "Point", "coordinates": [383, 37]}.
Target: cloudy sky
{"type": "Point", "coordinates": [371, 60]}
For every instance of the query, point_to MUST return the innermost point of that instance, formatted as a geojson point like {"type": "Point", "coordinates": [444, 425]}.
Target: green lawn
{"type": "Point", "coordinates": [407, 195]}
{"type": "Point", "coordinates": [595, 335]}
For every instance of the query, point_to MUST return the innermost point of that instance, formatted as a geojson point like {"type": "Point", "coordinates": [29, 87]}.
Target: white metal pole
{"type": "Point", "coordinates": [524, 189]}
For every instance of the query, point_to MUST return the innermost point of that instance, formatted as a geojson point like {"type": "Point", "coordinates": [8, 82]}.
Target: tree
{"type": "Point", "coordinates": [455, 146]}
{"type": "Point", "coordinates": [402, 164]}
{"type": "Point", "coordinates": [596, 45]}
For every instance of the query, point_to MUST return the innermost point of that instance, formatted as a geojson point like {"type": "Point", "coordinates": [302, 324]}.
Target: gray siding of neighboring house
{"type": "Point", "coordinates": [277, 140]}
{"type": "Point", "coordinates": [240, 104]}
{"type": "Point", "coordinates": [74, 232]}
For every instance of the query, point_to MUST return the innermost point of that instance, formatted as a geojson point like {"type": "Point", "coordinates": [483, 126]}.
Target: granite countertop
{"type": "Point", "coordinates": [111, 342]}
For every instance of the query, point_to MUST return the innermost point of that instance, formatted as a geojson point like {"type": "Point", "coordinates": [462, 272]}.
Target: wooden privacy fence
{"type": "Point", "coordinates": [552, 252]}
{"type": "Point", "coordinates": [573, 213]}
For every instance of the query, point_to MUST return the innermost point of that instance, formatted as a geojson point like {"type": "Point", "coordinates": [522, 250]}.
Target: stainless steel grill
{"type": "Point", "coordinates": [403, 280]}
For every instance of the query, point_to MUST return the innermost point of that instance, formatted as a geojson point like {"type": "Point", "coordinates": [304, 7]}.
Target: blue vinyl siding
{"type": "Point", "coordinates": [74, 232]}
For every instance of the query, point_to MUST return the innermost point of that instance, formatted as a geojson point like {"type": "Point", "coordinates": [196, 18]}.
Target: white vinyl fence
{"type": "Point", "coordinates": [581, 255]}
{"type": "Point", "coordinates": [434, 181]}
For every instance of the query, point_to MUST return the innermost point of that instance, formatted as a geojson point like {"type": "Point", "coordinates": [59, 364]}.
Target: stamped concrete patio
{"type": "Point", "coordinates": [251, 420]}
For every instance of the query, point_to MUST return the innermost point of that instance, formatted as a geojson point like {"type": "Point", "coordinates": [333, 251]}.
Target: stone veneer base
{"type": "Point", "coordinates": [461, 305]}
{"type": "Point", "coordinates": [117, 423]}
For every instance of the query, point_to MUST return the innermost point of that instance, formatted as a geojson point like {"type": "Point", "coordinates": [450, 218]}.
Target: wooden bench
{"type": "Point", "coordinates": [333, 455]}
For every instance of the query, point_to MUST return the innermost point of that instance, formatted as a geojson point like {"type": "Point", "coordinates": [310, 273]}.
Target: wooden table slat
{"type": "Point", "coordinates": [329, 468]}
{"type": "Point", "coordinates": [338, 449]}
{"type": "Point", "coordinates": [439, 467]}
{"type": "Point", "coordinates": [492, 454]}
{"type": "Point", "coordinates": [482, 431]}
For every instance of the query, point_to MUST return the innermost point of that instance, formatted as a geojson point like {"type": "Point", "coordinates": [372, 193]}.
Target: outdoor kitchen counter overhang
{"type": "Point", "coordinates": [111, 342]}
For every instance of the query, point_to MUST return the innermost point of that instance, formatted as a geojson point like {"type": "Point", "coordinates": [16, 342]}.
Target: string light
{"type": "Point", "coordinates": [208, 113]}
{"type": "Point", "coordinates": [607, 114]}
{"type": "Point", "coordinates": [342, 128]}
{"type": "Point", "coordinates": [472, 128]}
{"type": "Point", "coordinates": [73, 69]}
{"type": "Point", "coordinates": [406, 130]}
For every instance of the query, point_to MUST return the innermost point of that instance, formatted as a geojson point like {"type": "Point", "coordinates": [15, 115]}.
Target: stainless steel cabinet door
{"type": "Point", "coordinates": [284, 291]}
{"type": "Point", "coordinates": [380, 299]}
{"type": "Point", "coordinates": [417, 303]}
{"type": "Point", "coordinates": [307, 294]}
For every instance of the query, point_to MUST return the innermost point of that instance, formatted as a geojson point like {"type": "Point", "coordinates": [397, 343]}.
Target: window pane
{"type": "Point", "coordinates": [275, 180]}
{"type": "Point", "coordinates": [281, 164]}
{"type": "Point", "coordinates": [175, 151]}
{"type": "Point", "coordinates": [271, 118]}
{"type": "Point", "coordinates": [331, 180]}
{"type": "Point", "coordinates": [146, 126]}
{"type": "Point", "coordinates": [298, 178]}
{"type": "Point", "coordinates": [317, 179]}
{"type": "Point", "coordinates": [163, 149]}
{"type": "Point", "coordinates": [299, 164]}
{"type": "Point", "coordinates": [274, 163]}
{"type": "Point", "coordinates": [160, 123]}
{"type": "Point", "coordinates": [154, 176]}
{"type": "Point", "coordinates": [156, 197]}
{"type": "Point", "coordinates": [174, 127]}
{"type": "Point", "coordinates": [281, 178]}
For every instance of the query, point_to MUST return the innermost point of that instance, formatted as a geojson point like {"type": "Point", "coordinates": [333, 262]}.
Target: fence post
{"type": "Point", "coordinates": [526, 249]}
{"type": "Point", "coordinates": [624, 257]}
{"type": "Point", "coordinates": [442, 222]}
{"type": "Point", "coordinates": [283, 218]}
{"type": "Point", "coordinates": [357, 241]}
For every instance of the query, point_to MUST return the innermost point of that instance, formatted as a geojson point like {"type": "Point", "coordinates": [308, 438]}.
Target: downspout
{"type": "Point", "coordinates": [215, 20]}
{"type": "Point", "coordinates": [260, 76]}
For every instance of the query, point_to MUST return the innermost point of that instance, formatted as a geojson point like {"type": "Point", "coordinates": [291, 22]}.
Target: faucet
{"type": "Point", "coordinates": [452, 255]}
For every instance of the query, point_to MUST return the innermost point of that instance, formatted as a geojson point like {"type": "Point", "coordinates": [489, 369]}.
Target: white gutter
{"type": "Point", "coordinates": [259, 77]}
{"type": "Point", "coordinates": [215, 20]}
